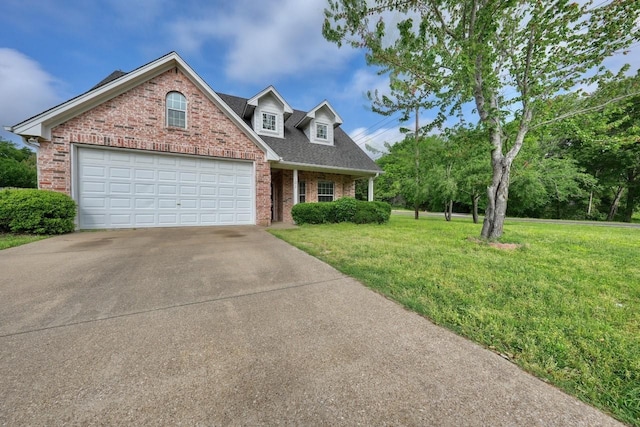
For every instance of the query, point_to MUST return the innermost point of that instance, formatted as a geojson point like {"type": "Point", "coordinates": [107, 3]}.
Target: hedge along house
{"type": "Point", "coordinates": [157, 147]}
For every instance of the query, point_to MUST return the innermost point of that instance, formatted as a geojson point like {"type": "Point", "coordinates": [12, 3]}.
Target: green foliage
{"type": "Point", "coordinates": [346, 209]}
{"type": "Point", "coordinates": [507, 58]}
{"type": "Point", "coordinates": [603, 143]}
{"type": "Point", "coordinates": [451, 167]}
{"type": "Point", "coordinates": [409, 175]}
{"type": "Point", "coordinates": [564, 306]}
{"type": "Point", "coordinates": [547, 184]}
{"type": "Point", "coordinates": [362, 189]}
{"type": "Point", "coordinates": [311, 213]}
{"type": "Point", "coordinates": [372, 213]}
{"type": "Point", "coordinates": [17, 166]}
{"type": "Point", "coordinates": [36, 212]}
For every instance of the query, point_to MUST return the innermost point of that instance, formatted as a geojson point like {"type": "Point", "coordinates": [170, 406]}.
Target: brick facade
{"type": "Point", "coordinates": [136, 120]}
{"type": "Point", "coordinates": [343, 186]}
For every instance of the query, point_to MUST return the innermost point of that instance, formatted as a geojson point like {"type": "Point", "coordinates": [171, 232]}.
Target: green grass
{"type": "Point", "coordinates": [8, 240]}
{"type": "Point", "coordinates": [564, 306]}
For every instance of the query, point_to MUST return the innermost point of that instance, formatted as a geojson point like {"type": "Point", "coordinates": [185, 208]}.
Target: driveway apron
{"type": "Point", "coordinates": [232, 326]}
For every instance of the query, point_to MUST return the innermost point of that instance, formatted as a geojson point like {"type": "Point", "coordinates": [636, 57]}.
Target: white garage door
{"type": "Point", "coordinates": [126, 189]}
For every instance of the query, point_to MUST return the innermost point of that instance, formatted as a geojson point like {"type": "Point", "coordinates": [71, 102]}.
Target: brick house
{"type": "Point", "coordinates": [157, 147]}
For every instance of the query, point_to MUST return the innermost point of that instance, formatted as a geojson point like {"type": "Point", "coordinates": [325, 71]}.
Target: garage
{"type": "Point", "coordinates": [131, 189]}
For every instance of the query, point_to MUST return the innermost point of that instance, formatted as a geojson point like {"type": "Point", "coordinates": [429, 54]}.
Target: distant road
{"type": "Point", "coordinates": [510, 219]}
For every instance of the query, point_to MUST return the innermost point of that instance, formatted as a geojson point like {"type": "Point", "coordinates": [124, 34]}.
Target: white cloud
{"type": "Point", "coordinates": [376, 139]}
{"type": "Point", "coordinates": [366, 80]}
{"type": "Point", "coordinates": [25, 88]}
{"type": "Point", "coordinates": [266, 39]}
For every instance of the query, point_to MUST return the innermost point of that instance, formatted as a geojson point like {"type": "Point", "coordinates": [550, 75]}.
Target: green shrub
{"type": "Point", "coordinates": [345, 209]}
{"type": "Point", "coordinates": [36, 212]}
{"type": "Point", "coordinates": [308, 213]}
{"type": "Point", "coordinates": [372, 213]}
{"type": "Point", "coordinates": [384, 208]}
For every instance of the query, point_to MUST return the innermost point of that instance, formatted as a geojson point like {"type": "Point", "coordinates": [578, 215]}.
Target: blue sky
{"type": "Point", "coordinates": [53, 50]}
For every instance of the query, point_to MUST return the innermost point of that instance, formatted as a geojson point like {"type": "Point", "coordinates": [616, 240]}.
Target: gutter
{"type": "Point", "coordinates": [30, 141]}
{"type": "Point", "coordinates": [328, 169]}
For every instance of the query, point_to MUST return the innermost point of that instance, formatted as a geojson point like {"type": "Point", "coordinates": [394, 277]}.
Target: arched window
{"type": "Point", "coordinates": [176, 110]}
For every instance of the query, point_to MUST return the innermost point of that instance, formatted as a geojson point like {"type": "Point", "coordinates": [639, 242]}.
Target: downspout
{"type": "Point", "coordinates": [35, 144]}
{"type": "Point", "coordinates": [31, 142]}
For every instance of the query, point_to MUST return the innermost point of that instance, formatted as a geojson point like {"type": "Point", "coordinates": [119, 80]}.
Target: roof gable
{"type": "Point", "coordinates": [40, 126]}
{"type": "Point", "coordinates": [255, 100]}
{"type": "Point", "coordinates": [312, 115]}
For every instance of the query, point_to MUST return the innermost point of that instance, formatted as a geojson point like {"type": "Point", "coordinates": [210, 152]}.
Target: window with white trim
{"type": "Point", "coordinates": [176, 110]}
{"type": "Point", "coordinates": [325, 191]}
{"type": "Point", "coordinates": [302, 191]}
{"type": "Point", "coordinates": [322, 131]}
{"type": "Point", "coordinates": [269, 122]}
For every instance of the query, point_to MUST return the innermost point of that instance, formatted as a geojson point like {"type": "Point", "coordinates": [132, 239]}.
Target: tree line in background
{"type": "Point", "coordinates": [17, 166]}
{"type": "Point", "coordinates": [508, 59]}
{"type": "Point", "coordinates": [584, 166]}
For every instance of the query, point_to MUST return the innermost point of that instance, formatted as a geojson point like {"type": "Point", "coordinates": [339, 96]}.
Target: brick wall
{"type": "Point", "coordinates": [136, 120]}
{"type": "Point", "coordinates": [343, 186]}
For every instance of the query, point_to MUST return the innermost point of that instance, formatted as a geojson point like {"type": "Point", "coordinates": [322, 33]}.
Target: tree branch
{"type": "Point", "coordinates": [585, 110]}
{"type": "Point", "coordinates": [436, 9]}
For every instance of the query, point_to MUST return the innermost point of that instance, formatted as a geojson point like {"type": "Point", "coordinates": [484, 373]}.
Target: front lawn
{"type": "Point", "coordinates": [8, 240]}
{"type": "Point", "coordinates": [564, 305]}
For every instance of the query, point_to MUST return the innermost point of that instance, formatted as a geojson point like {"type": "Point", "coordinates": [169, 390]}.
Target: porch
{"type": "Point", "coordinates": [292, 186]}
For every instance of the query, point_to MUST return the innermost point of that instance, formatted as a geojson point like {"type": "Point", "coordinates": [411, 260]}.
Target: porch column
{"type": "Point", "coordinates": [370, 192]}
{"type": "Point", "coordinates": [295, 187]}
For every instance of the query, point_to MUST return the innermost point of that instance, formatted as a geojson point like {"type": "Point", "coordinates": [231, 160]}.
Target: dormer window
{"type": "Point", "coordinates": [322, 132]}
{"type": "Point", "coordinates": [268, 112]}
{"type": "Point", "coordinates": [176, 110]}
{"type": "Point", "coordinates": [320, 123]}
{"type": "Point", "coordinates": [269, 122]}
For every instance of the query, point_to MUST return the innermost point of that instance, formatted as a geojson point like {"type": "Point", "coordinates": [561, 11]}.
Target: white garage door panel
{"type": "Point", "coordinates": [119, 189]}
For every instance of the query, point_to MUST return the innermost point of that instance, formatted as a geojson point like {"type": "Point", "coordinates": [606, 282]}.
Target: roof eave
{"type": "Point", "coordinates": [253, 101]}
{"type": "Point", "coordinates": [327, 169]}
{"type": "Point", "coordinates": [337, 121]}
{"type": "Point", "coordinates": [40, 126]}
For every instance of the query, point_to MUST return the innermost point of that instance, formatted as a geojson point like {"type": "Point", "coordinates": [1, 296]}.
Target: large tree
{"type": "Point", "coordinates": [409, 171]}
{"type": "Point", "coordinates": [604, 141]}
{"type": "Point", "coordinates": [507, 57]}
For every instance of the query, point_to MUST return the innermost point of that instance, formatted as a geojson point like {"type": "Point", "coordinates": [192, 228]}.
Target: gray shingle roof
{"type": "Point", "coordinates": [111, 77]}
{"type": "Point", "coordinates": [296, 148]}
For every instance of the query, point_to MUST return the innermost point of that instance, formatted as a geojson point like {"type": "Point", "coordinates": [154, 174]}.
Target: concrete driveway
{"type": "Point", "coordinates": [218, 326]}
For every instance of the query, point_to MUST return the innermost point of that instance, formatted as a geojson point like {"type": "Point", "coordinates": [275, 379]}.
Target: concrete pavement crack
{"type": "Point", "coordinates": [169, 307]}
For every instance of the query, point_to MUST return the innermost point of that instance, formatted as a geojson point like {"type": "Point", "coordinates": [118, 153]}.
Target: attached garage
{"type": "Point", "coordinates": [130, 189]}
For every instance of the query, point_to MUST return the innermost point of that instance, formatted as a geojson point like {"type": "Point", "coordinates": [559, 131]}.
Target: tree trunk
{"type": "Point", "coordinates": [416, 214]}
{"type": "Point", "coordinates": [498, 194]}
{"type": "Point", "coordinates": [633, 189]}
{"type": "Point", "coordinates": [613, 210]}
{"type": "Point", "coordinates": [448, 210]}
{"type": "Point", "coordinates": [498, 191]}
{"type": "Point", "coordinates": [474, 202]}
{"type": "Point", "coordinates": [590, 207]}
